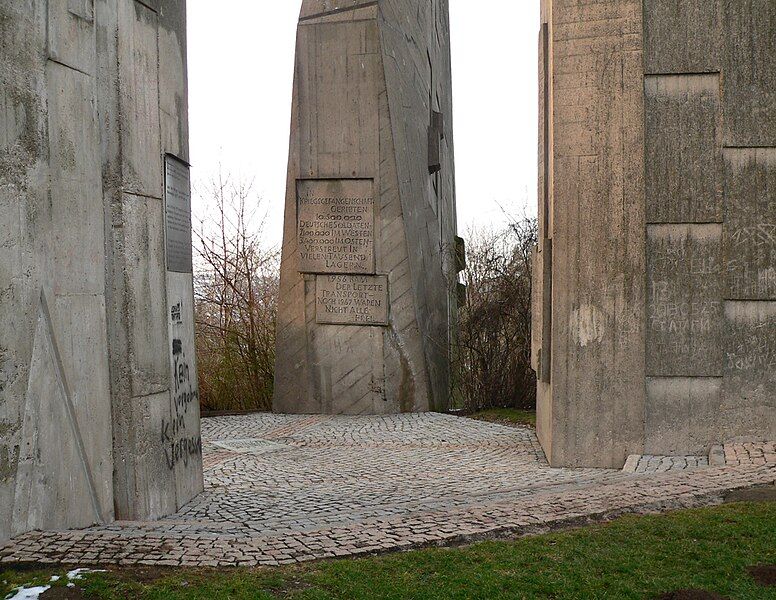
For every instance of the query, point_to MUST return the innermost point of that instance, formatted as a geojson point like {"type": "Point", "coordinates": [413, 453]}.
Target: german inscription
{"type": "Point", "coordinates": [351, 299]}
{"type": "Point", "coordinates": [177, 196]}
{"type": "Point", "coordinates": [336, 226]}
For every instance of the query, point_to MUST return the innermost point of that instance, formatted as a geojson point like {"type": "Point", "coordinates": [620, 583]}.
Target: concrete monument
{"type": "Point", "coordinates": [369, 275]}
{"type": "Point", "coordinates": [99, 413]}
{"type": "Point", "coordinates": [655, 279]}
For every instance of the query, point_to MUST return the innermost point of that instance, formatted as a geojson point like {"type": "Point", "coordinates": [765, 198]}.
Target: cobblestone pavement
{"type": "Point", "coordinates": [663, 464]}
{"type": "Point", "coordinates": [284, 489]}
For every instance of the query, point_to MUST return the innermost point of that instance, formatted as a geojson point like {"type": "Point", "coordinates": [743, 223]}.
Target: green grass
{"type": "Point", "coordinates": [631, 558]}
{"type": "Point", "coordinates": [510, 416]}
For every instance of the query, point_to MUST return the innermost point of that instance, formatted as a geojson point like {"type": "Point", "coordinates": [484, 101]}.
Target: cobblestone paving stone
{"type": "Point", "coordinates": [285, 489]}
{"type": "Point", "coordinates": [663, 464]}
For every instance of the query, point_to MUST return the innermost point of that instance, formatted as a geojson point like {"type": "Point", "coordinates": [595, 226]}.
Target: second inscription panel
{"type": "Point", "coordinates": [351, 299]}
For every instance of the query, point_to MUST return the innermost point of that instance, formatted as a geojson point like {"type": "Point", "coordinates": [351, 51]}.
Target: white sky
{"type": "Point", "coordinates": [241, 64]}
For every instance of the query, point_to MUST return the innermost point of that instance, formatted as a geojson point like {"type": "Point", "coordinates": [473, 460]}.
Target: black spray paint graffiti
{"type": "Point", "coordinates": [176, 314]}
{"type": "Point", "coordinates": [178, 447]}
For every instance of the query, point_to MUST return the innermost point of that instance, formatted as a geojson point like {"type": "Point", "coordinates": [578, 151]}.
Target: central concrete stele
{"type": "Point", "coordinates": [369, 270]}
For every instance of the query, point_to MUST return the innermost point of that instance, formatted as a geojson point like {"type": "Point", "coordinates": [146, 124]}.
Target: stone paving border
{"type": "Point", "coordinates": [646, 463]}
{"type": "Point", "coordinates": [187, 544]}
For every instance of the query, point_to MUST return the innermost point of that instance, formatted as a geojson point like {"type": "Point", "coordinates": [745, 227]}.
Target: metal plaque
{"type": "Point", "coordinates": [336, 226]}
{"type": "Point", "coordinates": [351, 299]}
{"type": "Point", "coordinates": [177, 201]}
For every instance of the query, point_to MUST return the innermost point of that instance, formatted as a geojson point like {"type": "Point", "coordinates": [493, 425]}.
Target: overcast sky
{"type": "Point", "coordinates": [241, 64]}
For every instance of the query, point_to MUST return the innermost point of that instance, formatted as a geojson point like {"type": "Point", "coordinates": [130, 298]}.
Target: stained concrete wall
{"type": "Point", "coordinates": [369, 78]}
{"type": "Point", "coordinates": [92, 95]}
{"type": "Point", "coordinates": [591, 401]}
{"type": "Point", "coordinates": [677, 140]}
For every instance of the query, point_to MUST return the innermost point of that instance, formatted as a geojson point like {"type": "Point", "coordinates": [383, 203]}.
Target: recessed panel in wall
{"type": "Point", "coordinates": [336, 226]}
{"type": "Point", "coordinates": [684, 149]}
{"type": "Point", "coordinates": [750, 223]}
{"type": "Point", "coordinates": [749, 69]}
{"type": "Point", "coordinates": [749, 407]}
{"type": "Point", "coordinates": [684, 301]}
{"type": "Point", "coordinates": [351, 299]}
{"type": "Point", "coordinates": [681, 36]}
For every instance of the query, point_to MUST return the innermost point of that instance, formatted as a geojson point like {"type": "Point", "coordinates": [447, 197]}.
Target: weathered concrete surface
{"type": "Point", "coordinates": [698, 338]}
{"type": "Point", "coordinates": [749, 69]}
{"type": "Point", "coordinates": [670, 400]}
{"type": "Point", "coordinates": [157, 449]}
{"type": "Point", "coordinates": [369, 78]}
{"type": "Point", "coordinates": [682, 36]}
{"type": "Point", "coordinates": [84, 359]}
{"type": "Point", "coordinates": [684, 300]}
{"type": "Point", "coordinates": [684, 149]}
{"type": "Point", "coordinates": [749, 401]}
{"type": "Point", "coordinates": [592, 413]}
{"type": "Point", "coordinates": [750, 223]}
{"type": "Point", "coordinates": [56, 469]}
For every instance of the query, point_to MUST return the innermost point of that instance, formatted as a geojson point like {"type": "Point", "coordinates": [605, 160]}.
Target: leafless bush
{"type": "Point", "coordinates": [493, 352]}
{"type": "Point", "coordinates": [236, 290]}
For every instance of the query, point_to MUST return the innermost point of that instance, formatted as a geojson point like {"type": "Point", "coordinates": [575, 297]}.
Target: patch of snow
{"type": "Point", "coordinates": [77, 574]}
{"type": "Point", "coordinates": [55, 578]}
{"type": "Point", "coordinates": [24, 593]}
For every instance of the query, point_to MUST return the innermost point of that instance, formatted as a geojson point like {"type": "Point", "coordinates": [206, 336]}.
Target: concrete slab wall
{"type": "Point", "coordinates": [749, 68]}
{"type": "Point", "coordinates": [596, 201]}
{"type": "Point", "coordinates": [750, 223]}
{"type": "Point", "coordinates": [704, 99]}
{"type": "Point", "coordinates": [84, 340]}
{"type": "Point", "coordinates": [709, 273]}
{"type": "Point", "coordinates": [684, 300]}
{"type": "Point", "coordinates": [55, 469]}
{"type": "Point", "coordinates": [157, 447]}
{"type": "Point", "coordinates": [683, 148]}
{"type": "Point", "coordinates": [363, 107]}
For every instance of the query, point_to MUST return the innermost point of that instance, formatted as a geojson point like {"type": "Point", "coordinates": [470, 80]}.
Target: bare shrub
{"type": "Point", "coordinates": [493, 350]}
{"type": "Point", "coordinates": [236, 291]}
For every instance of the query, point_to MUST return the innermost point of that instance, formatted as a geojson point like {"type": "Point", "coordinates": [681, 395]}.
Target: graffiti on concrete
{"type": "Point", "coordinates": [178, 445]}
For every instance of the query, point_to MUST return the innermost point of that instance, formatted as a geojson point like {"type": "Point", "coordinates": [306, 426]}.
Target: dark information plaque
{"type": "Point", "coordinates": [351, 299]}
{"type": "Point", "coordinates": [336, 226]}
{"type": "Point", "coordinates": [177, 202]}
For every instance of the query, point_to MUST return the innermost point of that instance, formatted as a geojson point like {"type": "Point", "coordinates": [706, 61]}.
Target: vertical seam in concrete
{"type": "Point", "coordinates": [70, 408]}
{"type": "Point", "coordinates": [162, 186]}
{"type": "Point", "coordinates": [645, 308]}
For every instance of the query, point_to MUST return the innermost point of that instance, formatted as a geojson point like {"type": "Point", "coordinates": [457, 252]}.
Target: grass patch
{"type": "Point", "coordinates": [633, 558]}
{"type": "Point", "coordinates": [507, 416]}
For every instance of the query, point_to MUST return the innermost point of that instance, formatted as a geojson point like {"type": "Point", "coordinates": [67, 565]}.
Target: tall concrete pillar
{"type": "Point", "coordinates": [98, 411]}
{"type": "Point", "coordinates": [368, 278]}
{"type": "Point", "coordinates": [655, 301]}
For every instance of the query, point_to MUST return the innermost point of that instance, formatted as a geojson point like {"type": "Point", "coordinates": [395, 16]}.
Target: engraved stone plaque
{"type": "Point", "coordinates": [336, 226]}
{"type": "Point", "coordinates": [351, 299]}
{"type": "Point", "coordinates": [177, 201]}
